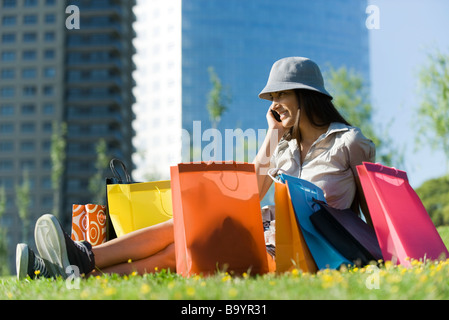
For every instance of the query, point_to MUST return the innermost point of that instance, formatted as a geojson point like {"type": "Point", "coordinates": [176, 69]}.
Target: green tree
{"type": "Point", "coordinates": [217, 99]}
{"type": "Point", "coordinates": [433, 112]}
{"type": "Point", "coordinates": [58, 155]}
{"type": "Point", "coordinates": [352, 99]}
{"type": "Point", "coordinates": [23, 201]}
{"type": "Point", "coordinates": [434, 195]}
{"type": "Point", "coordinates": [97, 181]}
{"type": "Point", "coordinates": [4, 270]}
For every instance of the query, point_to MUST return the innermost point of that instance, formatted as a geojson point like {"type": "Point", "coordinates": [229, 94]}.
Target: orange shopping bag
{"type": "Point", "coordinates": [89, 223]}
{"type": "Point", "coordinates": [291, 248]}
{"type": "Point", "coordinates": [217, 219]}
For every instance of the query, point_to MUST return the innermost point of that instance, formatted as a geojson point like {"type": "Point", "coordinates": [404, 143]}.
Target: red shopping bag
{"type": "Point", "coordinates": [217, 219]}
{"type": "Point", "coordinates": [402, 224]}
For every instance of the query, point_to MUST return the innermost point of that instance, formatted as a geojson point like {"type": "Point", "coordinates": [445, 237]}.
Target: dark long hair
{"type": "Point", "coordinates": [318, 108]}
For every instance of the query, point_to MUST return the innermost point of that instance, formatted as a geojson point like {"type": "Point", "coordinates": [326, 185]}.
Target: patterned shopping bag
{"type": "Point", "coordinates": [89, 223]}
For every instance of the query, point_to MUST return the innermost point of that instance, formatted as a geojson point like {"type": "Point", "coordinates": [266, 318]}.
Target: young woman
{"type": "Point", "coordinates": [311, 140]}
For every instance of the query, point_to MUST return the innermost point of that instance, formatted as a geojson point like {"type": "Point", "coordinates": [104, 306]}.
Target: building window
{"type": "Point", "coordinates": [6, 128]}
{"type": "Point", "coordinates": [29, 73]}
{"type": "Point", "coordinates": [6, 146]}
{"type": "Point", "coordinates": [28, 127]}
{"type": "Point", "coordinates": [49, 72]}
{"type": "Point", "coordinates": [49, 54]}
{"type": "Point", "coordinates": [50, 18]}
{"type": "Point", "coordinates": [8, 38]}
{"type": "Point", "coordinates": [6, 165]}
{"type": "Point", "coordinates": [8, 56]}
{"type": "Point", "coordinates": [9, 3]}
{"type": "Point", "coordinates": [28, 109]}
{"type": "Point", "coordinates": [7, 110]}
{"type": "Point", "coordinates": [30, 3]}
{"type": "Point", "coordinates": [29, 91]}
{"type": "Point", "coordinates": [28, 164]}
{"type": "Point", "coordinates": [30, 19]}
{"type": "Point", "coordinates": [48, 109]}
{"type": "Point", "coordinates": [29, 37]}
{"type": "Point", "coordinates": [49, 91]}
{"type": "Point", "coordinates": [7, 92]}
{"type": "Point", "coordinates": [8, 74]}
{"type": "Point", "coordinates": [27, 146]}
{"type": "Point", "coordinates": [49, 36]}
{"type": "Point", "coordinates": [29, 55]}
{"type": "Point", "coordinates": [46, 145]}
{"type": "Point", "coordinates": [9, 21]}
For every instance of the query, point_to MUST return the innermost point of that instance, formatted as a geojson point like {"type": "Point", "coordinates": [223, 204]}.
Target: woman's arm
{"type": "Point", "coordinates": [262, 161]}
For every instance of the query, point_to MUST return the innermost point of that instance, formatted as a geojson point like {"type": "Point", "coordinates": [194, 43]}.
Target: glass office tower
{"type": "Point", "coordinates": [240, 40]}
{"type": "Point", "coordinates": [50, 73]}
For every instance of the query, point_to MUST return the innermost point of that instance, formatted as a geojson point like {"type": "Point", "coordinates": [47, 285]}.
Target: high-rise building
{"type": "Point", "coordinates": [62, 62]}
{"type": "Point", "coordinates": [240, 40]}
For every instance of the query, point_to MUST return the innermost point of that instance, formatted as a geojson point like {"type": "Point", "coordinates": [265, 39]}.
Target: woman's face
{"type": "Point", "coordinates": [286, 104]}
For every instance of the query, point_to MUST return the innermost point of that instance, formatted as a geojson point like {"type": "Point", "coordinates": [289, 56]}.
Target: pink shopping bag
{"type": "Point", "coordinates": [402, 224]}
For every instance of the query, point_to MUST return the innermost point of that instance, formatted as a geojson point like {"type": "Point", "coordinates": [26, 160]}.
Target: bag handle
{"type": "Point", "coordinates": [162, 203]}
{"type": "Point", "coordinates": [274, 172]}
{"type": "Point", "coordinates": [229, 188]}
{"type": "Point", "coordinates": [115, 172]}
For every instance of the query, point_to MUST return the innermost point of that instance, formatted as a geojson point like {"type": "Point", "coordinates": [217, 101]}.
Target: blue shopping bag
{"type": "Point", "coordinates": [302, 194]}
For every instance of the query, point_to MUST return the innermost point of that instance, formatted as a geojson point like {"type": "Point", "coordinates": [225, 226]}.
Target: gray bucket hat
{"type": "Point", "coordinates": [294, 73]}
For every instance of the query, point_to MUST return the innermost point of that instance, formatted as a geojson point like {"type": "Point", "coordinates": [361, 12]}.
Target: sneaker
{"type": "Point", "coordinates": [28, 264]}
{"type": "Point", "coordinates": [57, 247]}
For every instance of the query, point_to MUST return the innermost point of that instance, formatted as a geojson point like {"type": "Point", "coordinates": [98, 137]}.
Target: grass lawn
{"type": "Point", "coordinates": [429, 280]}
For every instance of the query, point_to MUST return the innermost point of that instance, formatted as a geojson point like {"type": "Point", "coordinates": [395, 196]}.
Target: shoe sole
{"type": "Point", "coordinates": [22, 261]}
{"type": "Point", "coordinates": [50, 243]}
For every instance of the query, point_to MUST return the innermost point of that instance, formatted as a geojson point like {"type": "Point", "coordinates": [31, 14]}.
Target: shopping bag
{"type": "Point", "coordinates": [89, 223]}
{"type": "Point", "coordinates": [217, 219]}
{"type": "Point", "coordinates": [349, 234]}
{"type": "Point", "coordinates": [133, 206]}
{"type": "Point", "coordinates": [402, 224]}
{"type": "Point", "coordinates": [302, 194]}
{"type": "Point", "coordinates": [291, 248]}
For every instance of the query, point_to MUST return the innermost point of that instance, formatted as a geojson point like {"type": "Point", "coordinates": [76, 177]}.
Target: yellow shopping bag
{"type": "Point", "coordinates": [133, 206]}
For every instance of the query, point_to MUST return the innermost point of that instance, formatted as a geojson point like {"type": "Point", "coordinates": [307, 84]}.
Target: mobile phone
{"type": "Point", "coordinates": [276, 115]}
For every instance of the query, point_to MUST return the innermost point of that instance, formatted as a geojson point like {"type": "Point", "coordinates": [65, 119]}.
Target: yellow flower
{"type": "Point", "coordinates": [134, 273]}
{"type": "Point", "coordinates": [226, 278]}
{"type": "Point", "coordinates": [156, 269]}
{"type": "Point", "coordinates": [130, 260]}
{"type": "Point", "coordinates": [84, 294]}
{"type": "Point", "coordinates": [145, 288]}
{"type": "Point", "coordinates": [37, 272]}
{"type": "Point", "coordinates": [232, 292]}
{"type": "Point", "coordinates": [295, 272]}
{"type": "Point", "coordinates": [110, 291]}
{"type": "Point", "coordinates": [190, 291]}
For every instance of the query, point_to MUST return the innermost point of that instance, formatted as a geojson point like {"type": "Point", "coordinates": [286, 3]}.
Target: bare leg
{"type": "Point", "coordinates": [164, 259]}
{"type": "Point", "coordinates": [137, 245]}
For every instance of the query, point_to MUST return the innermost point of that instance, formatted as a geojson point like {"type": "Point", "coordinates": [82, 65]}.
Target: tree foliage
{"type": "Point", "coordinates": [217, 99]}
{"type": "Point", "coordinates": [433, 112]}
{"type": "Point", "coordinates": [434, 195]}
{"type": "Point", "coordinates": [352, 99]}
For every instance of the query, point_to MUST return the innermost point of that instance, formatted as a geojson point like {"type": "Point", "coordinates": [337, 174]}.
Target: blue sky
{"type": "Point", "coordinates": [408, 30]}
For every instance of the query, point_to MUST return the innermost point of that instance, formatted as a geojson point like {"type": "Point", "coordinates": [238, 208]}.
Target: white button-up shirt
{"type": "Point", "coordinates": [330, 162]}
